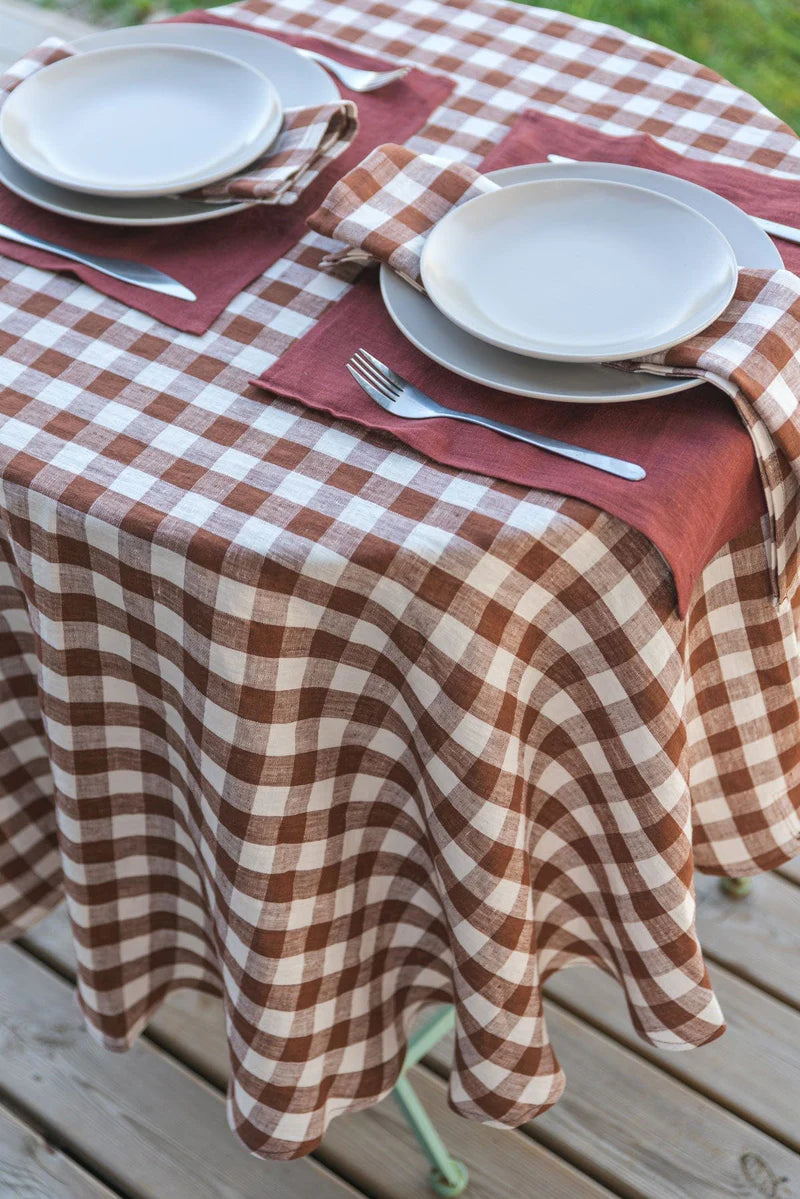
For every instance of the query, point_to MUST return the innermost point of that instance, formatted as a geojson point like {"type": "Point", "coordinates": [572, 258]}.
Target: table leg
{"type": "Point", "coordinates": [736, 888]}
{"type": "Point", "coordinates": [448, 1177]}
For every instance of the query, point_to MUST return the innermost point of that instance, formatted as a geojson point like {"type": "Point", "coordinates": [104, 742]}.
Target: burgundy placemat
{"type": "Point", "coordinates": [702, 486]}
{"type": "Point", "coordinates": [218, 259]}
{"type": "Point", "coordinates": [535, 135]}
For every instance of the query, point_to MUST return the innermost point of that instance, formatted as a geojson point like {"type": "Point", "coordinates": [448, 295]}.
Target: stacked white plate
{"type": "Point", "coordinates": [117, 132]}
{"type": "Point", "coordinates": [532, 288]}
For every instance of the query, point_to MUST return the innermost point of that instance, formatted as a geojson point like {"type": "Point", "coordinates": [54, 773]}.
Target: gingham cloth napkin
{"type": "Point", "coordinates": [310, 139]}
{"type": "Point", "coordinates": [384, 208]}
{"type": "Point", "coordinates": [752, 353]}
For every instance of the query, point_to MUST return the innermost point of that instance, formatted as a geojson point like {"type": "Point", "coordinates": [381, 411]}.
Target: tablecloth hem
{"type": "Point", "coordinates": [126, 1043]}
{"type": "Point", "coordinates": [253, 1140]}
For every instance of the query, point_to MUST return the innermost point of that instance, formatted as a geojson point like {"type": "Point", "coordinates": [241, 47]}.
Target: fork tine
{"type": "Point", "coordinates": [380, 398]}
{"type": "Point", "coordinates": [375, 367]}
{"type": "Point", "coordinates": [380, 381]}
{"type": "Point", "coordinates": [385, 370]}
{"type": "Point", "coordinates": [379, 384]}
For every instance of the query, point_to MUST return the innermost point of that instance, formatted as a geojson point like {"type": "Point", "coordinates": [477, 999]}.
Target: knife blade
{"type": "Point", "coordinates": [138, 274]}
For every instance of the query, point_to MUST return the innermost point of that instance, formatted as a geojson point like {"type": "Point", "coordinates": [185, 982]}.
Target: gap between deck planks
{"type": "Point", "coordinates": [372, 1150]}
{"type": "Point", "coordinates": [645, 1134]}
{"type": "Point", "coordinates": [757, 938]}
{"type": "Point", "coordinates": [791, 871]}
{"type": "Point", "coordinates": [32, 1169]}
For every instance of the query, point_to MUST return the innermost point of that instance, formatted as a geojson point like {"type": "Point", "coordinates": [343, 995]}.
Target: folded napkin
{"type": "Point", "coordinates": [218, 261]}
{"type": "Point", "coordinates": [309, 140]}
{"type": "Point", "coordinates": [385, 208]}
{"type": "Point", "coordinates": [752, 353]}
{"type": "Point", "coordinates": [51, 50]}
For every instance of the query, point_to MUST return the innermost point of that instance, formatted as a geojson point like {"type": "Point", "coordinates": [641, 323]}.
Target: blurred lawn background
{"type": "Point", "coordinates": [754, 43]}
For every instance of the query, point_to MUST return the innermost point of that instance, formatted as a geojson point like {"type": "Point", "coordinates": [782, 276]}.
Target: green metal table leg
{"type": "Point", "coordinates": [448, 1177]}
{"type": "Point", "coordinates": [430, 1034]}
{"type": "Point", "coordinates": [736, 888]}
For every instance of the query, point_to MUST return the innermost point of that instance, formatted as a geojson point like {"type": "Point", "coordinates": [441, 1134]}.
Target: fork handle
{"type": "Point", "coordinates": [611, 466]}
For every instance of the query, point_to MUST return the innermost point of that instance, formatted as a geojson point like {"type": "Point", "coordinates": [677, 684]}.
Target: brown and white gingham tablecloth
{"type": "Point", "coordinates": [292, 714]}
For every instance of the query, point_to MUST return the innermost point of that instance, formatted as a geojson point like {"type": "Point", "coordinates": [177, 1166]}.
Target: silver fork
{"type": "Point", "coordinates": [353, 77]}
{"type": "Point", "coordinates": [396, 395]}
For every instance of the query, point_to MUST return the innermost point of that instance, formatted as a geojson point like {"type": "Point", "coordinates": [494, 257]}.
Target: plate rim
{"type": "Point", "coordinates": [662, 386]}
{"type": "Point", "coordinates": [539, 350]}
{"type": "Point", "coordinates": [201, 212]}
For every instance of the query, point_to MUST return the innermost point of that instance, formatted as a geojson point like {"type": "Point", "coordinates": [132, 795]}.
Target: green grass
{"type": "Point", "coordinates": [754, 43]}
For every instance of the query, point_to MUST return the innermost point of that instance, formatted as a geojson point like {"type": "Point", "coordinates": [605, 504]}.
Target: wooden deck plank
{"type": "Point", "coordinates": [754, 1069]}
{"type": "Point", "coordinates": [378, 1152]}
{"type": "Point", "coordinates": [644, 1133]}
{"type": "Point", "coordinates": [141, 1121]}
{"type": "Point", "coordinates": [32, 1169]}
{"type": "Point", "coordinates": [791, 871]}
{"type": "Point", "coordinates": [374, 1149]}
{"type": "Point", "coordinates": [757, 938]}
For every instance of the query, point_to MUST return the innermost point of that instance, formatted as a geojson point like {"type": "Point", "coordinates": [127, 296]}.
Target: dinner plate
{"type": "Point", "coordinates": [140, 120]}
{"type": "Point", "coordinates": [578, 270]}
{"type": "Point", "coordinates": [297, 81]}
{"type": "Point", "coordinates": [444, 342]}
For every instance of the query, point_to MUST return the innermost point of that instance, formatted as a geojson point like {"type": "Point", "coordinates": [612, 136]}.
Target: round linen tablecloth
{"type": "Point", "coordinates": [292, 715]}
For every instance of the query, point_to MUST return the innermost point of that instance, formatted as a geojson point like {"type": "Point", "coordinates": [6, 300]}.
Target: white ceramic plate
{"type": "Point", "coordinates": [578, 270]}
{"type": "Point", "coordinates": [297, 81]}
{"type": "Point", "coordinates": [438, 338]}
{"type": "Point", "coordinates": [140, 120]}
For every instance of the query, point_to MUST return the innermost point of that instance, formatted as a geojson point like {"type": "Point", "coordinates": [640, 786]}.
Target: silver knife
{"type": "Point", "coordinates": [787, 232]}
{"type": "Point", "coordinates": [138, 274]}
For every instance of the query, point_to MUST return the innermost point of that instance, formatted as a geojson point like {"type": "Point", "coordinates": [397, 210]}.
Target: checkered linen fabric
{"type": "Point", "coordinates": [386, 206]}
{"type": "Point", "coordinates": [292, 714]}
{"type": "Point", "coordinates": [53, 49]}
{"type": "Point", "coordinates": [310, 139]}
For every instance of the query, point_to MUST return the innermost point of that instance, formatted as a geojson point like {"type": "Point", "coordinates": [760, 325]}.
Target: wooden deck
{"type": "Point", "coordinates": [77, 1122]}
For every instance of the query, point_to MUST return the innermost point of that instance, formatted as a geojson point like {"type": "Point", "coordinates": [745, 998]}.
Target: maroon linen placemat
{"type": "Point", "coordinates": [702, 486]}
{"type": "Point", "coordinates": [218, 259]}
{"type": "Point", "coordinates": [536, 135]}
